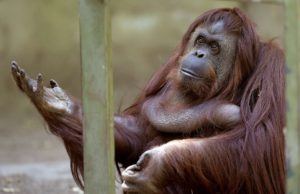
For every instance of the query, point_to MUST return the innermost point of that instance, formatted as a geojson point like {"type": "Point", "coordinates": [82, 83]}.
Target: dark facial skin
{"type": "Point", "coordinates": [206, 65]}
{"type": "Point", "coordinates": [209, 57]}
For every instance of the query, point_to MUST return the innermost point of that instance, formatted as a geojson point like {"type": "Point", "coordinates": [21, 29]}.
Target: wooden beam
{"type": "Point", "coordinates": [292, 96]}
{"type": "Point", "coordinates": [258, 1]}
{"type": "Point", "coordinates": [95, 31]}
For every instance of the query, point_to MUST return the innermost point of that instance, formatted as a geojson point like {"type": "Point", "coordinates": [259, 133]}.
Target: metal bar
{"type": "Point", "coordinates": [97, 90]}
{"type": "Point", "coordinates": [280, 2]}
{"type": "Point", "coordinates": [292, 96]}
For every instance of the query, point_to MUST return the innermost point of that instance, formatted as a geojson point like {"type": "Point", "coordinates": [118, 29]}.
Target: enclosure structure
{"type": "Point", "coordinates": [292, 95]}
{"type": "Point", "coordinates": [98, 99]}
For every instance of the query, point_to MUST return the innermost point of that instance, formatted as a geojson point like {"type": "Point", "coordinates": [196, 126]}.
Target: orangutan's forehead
{"type": "Point", "coordinates": [215, 29]}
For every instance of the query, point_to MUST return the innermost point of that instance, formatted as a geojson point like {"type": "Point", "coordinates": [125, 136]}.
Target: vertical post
{"type": "Point", "coordinates": [97, 97]}
{"type": "Point", "coordinates": [292, 96]}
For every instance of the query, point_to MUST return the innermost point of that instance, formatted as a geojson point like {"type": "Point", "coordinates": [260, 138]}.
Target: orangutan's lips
{"type": "Point", "coordinates": [189, 73]}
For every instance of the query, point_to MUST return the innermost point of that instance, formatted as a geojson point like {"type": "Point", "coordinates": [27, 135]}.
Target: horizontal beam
{"type": "Point", "coordinates": [280, 2]}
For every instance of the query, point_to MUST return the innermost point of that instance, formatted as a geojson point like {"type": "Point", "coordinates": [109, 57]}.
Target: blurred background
{"type": "Point", "coordinates": [43, 36]}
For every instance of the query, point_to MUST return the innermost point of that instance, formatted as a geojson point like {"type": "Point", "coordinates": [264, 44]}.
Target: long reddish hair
{"type": "Point", "coordinates": [257, 85]}
{"type": "Point", "coordinates": [249, 158]}
{"type": "Point", "coordinates": [247, 50]}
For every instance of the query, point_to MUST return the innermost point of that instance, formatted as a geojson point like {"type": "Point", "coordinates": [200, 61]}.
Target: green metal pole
{"type": "Point", "coordinates": [95, 31]}
{"type": "Point", "coordinates": [258, 1]}
{"type": "Point", "coordinates": [292, 96]}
